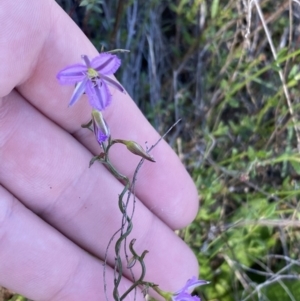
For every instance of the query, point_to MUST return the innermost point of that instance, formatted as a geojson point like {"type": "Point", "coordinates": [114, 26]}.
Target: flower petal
{"type": "Point", "coordinates": [86, 61]}
{"type": "Point", "coordinates": [191, 284]}
{"type": "Point", "coordinates": [99, 95]}
{"type": "Point", "coordinates": [72, 74]}
{"type": "Point", "coordinates": [185, 297]}
{"type": "Point", "coordinates": [106, 63]}
{"type": "Point", "coordinates": [78, 91]}
{"type": "Point", "coordinates": [100, 126]}
{"type": "Point", "coordinates": [112, 82]}
{"type": "Point", "coordinates": [100, 136]}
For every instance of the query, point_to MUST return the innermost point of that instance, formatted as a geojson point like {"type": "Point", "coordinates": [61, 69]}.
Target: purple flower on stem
{"type": "Point", "coordinates": [101, 129]}
{"type": "Point", "coordinates": [93, 79]}
{"type": "Point", "coordinates": [184, 294]}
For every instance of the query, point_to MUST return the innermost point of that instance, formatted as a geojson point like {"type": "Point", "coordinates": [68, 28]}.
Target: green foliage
{"type": "Point", "coordinates": [92, 5]}
{"type": "Point", "coordinates": [214, 8]}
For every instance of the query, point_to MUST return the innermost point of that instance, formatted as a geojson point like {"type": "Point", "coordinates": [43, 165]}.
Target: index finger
{"type": "Point", "coordinates": [40, 39]}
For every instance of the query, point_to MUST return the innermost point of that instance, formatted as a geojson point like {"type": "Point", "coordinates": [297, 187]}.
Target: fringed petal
{"type": "Point", "coordinates": [99, 95]}
{"type": "Point", "coordinates": [72, 74]}
{"type": "Point", "coordinates": [106, 63]}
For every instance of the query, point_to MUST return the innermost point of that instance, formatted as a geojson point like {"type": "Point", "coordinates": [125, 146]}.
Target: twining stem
{"type": "Point", "coordinates": [104, 158]}
{"type": "Point", "coordinates": [140, 281]}
{"type": "Point", "coordinates": [122, 208]}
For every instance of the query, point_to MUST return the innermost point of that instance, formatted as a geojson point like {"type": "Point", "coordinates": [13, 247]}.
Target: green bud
{"type": "Point", "coordinates": [136, 149]}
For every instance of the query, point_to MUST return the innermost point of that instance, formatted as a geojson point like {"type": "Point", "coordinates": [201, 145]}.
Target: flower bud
{"type": "Point", "coordinates": [100, 126]}
{"type": "Point", "coordinates": [136, 149]}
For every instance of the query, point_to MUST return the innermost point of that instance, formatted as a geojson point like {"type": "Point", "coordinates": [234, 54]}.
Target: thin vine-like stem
{"type": "Point", "coordinates": [123, 236]}
{"type": "Point", "coordinates": [122, 208]}
{"type": "Point", "coordinates": [140, 259]}
{"type": "Point", "coordinates": [128, 187]}
{"type": "Point", "coordinates": [104, 158]}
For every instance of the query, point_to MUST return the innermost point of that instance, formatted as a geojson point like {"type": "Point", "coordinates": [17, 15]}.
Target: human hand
{"type": "Point", "coordinates": [56, 214]}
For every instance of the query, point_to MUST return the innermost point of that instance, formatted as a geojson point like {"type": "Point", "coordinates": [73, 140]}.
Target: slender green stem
{"type": "Point", "coordinates": [122, 208]}
{"type": "Point", "coordinates": [104, 158]}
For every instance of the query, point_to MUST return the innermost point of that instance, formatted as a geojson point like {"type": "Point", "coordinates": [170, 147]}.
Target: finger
{"type": "Point", "coordinates": [40, 263]}
{"type": "Point", "coordinates": [49, 41]}
{"type": "Point", "coordinates": [47, 169]}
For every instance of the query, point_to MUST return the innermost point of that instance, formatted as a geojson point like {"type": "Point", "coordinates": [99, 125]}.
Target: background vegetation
{"type": "Point", "coordinates": [235, 85]}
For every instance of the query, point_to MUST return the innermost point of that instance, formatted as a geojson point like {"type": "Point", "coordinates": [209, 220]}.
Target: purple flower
{"type": "Point", "coordinates": [100, 127]}
{"type": "Point", "coordinates": [93, 79]}
{"type": "Point", "coordinates": [184, 294]}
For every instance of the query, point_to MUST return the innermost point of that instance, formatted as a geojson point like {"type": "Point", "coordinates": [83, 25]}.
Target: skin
{"type": "Point", "coordinates": [56, 214]}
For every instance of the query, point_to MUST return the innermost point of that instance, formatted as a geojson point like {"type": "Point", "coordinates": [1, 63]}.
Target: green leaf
{"type": "Point", "coordinates": [234, 103]}
{"type": "Point", "coordinates": [297, 76]}
{"type": "Point", "coordinates": [282, 53]}
{"type": "Point", "coordinates": [90, 6]}
{"type": "Point", "coordinates": [97, 9]}
{"type": "Point", "coordinates": [251, 153]}
{"type": "Point", "coordinates": [84, 3]}
{"type": "Point", "coordinates": [270, 210]}
{"type": "Point", "coordinates": [296, 166]}
{"type": "Point", "coordinates": [294, 73]}
{"type": "Point", "coordinates": [214, 8]}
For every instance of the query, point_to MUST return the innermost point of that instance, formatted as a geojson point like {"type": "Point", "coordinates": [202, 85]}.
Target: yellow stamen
{"type": "Point", "coordinates": [92, 73]}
